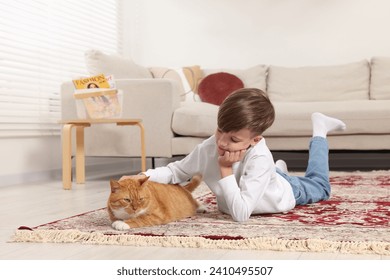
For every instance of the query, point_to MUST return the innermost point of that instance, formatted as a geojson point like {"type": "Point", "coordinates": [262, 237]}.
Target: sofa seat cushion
{"type": "Point", "coordinates": [360, 116]}
{"type": "Point", "coordinates": [319, 83]}
{"type": "Point", "coordinates": [199, 119]}
{"type": "Point", "coordinates": [195, 119]}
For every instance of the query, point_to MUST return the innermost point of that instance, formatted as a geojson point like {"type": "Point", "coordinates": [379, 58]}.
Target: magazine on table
{"type": "Point", "coordinates": [98, 81]}
{"type": "Point", "coordinates": [99, 96]}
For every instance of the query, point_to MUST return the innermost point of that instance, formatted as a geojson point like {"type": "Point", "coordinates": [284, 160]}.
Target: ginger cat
{"type": "Point", "coordinates": [141, 203]}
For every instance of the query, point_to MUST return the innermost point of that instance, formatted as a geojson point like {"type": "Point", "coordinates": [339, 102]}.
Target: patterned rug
{"type": "Point", "coordinates": [354, 220]}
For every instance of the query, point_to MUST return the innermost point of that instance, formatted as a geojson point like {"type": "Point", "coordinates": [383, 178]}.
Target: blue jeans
{"type": "Point", "coordinates": [314, 186]}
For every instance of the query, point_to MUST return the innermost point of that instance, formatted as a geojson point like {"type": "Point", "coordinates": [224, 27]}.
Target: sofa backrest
{"type": "Point", "coordinates": [380, 78]}
{"type": "Point", "coordinates": [319, 83]}
{"type": "Point", "coordinates": [359, 80]}
{"type": "Point", "coordinates": [253, 77]}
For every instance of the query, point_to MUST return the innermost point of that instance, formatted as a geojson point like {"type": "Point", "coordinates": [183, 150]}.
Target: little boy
{"type": "Point", "coordinates": [239, 168]}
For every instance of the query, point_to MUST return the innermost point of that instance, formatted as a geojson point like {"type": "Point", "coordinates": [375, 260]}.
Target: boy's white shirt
{"type": "Point", "coordinates": [254, 188]}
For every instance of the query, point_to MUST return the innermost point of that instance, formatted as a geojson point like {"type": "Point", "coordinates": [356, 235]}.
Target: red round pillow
{"type": "Point", "coordinates": [214, 88]}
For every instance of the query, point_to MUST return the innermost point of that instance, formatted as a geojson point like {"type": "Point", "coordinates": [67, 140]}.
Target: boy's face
{"type": "Point", "coordinates": [235, 141]}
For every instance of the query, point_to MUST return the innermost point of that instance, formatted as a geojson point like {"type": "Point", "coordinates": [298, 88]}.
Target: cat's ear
{"type": "Point", "coordinates": [114, 186]}
{"type": "Point", "coordinates": [143, 180]}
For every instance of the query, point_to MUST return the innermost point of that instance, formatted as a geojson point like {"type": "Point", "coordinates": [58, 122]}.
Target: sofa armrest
{"type": "Point", "coordinates": [152, 100]}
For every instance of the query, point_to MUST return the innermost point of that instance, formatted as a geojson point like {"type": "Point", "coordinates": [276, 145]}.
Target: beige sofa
{"type": "Point", "coordinates": [176, 120]}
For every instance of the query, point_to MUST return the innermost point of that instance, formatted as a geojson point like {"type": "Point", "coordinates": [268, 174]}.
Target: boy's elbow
{"type": "Point", "coordinates": [240, 214]}
{"type": "Point", "coordinates": [240, 219]}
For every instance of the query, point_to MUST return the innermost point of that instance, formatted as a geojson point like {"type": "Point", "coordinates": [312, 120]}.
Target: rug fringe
{"type": "Point", "coordinates": [261, 243]}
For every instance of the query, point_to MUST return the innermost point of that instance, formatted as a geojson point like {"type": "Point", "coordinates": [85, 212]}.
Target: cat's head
{"type": "Point", "coordinates": [129, 198]}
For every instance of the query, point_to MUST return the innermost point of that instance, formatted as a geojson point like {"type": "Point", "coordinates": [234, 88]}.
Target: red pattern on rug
{"type": "Point", "coordinates": [355, 201]}
{"type": "Point", "coordinates": [358, 211]}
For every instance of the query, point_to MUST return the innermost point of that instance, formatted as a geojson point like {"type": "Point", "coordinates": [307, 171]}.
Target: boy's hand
{"type": "Point", "coordinates": [228, 159]}
{"type": "Point", "coordinates": [134, 177]}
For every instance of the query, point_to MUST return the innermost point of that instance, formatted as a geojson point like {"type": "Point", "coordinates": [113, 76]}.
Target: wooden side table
{"type": "Point", "coordinates": [80, 124]}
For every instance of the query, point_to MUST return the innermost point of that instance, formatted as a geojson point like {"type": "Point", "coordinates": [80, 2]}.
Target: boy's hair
{"type": "Point", "coordinates": [246, 108]}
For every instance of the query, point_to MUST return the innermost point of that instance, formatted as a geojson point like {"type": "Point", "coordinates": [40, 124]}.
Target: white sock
{"type": "Point", "coordinates": [323, 124]}
{"type": "Point", "coordinates": [282, 165]}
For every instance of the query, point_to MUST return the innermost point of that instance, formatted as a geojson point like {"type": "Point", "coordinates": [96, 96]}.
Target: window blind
{"type": "Point", "coordinates": [42, 44]}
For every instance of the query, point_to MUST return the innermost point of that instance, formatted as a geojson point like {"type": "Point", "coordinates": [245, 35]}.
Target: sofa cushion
{"type": "Point", "coordinates": [319, 83]}
{"type": "Point", "coordinates": [193, 76]}
{"type": "Point", "coordinates": [195, 119]}
{"type": "Point", "coordinates": [214, 88]}
{"type": "Point", "coordinates": [254, 77]}
{"type": "Point", "coordinates": [167, 73]}
{"type": "Point", "coordinates": [360, 116]}
{"type": "Point", "coordinates": [380, 78]}
{"type": "Point", "coordinates": [293, 119]}
{"type": "Point", "coordinates": [187, 78]}
{"type": "Point", "coordinates": [122, 68]}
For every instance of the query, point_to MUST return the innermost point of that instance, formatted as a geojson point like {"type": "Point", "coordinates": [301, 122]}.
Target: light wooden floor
{"type": "Point", "coordinates": [39, 203]}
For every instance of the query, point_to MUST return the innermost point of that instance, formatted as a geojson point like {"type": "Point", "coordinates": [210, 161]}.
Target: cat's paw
{"type": "Point", "coordinates": [120, 225]}
{"type": "Point", "coordinates": [201, 209]}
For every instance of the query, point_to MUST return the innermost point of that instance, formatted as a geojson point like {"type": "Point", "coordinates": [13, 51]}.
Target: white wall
{"type": "Point", "coordinates": [27, 159]}
{"type": "Point", "coordinates": [231, 33]}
